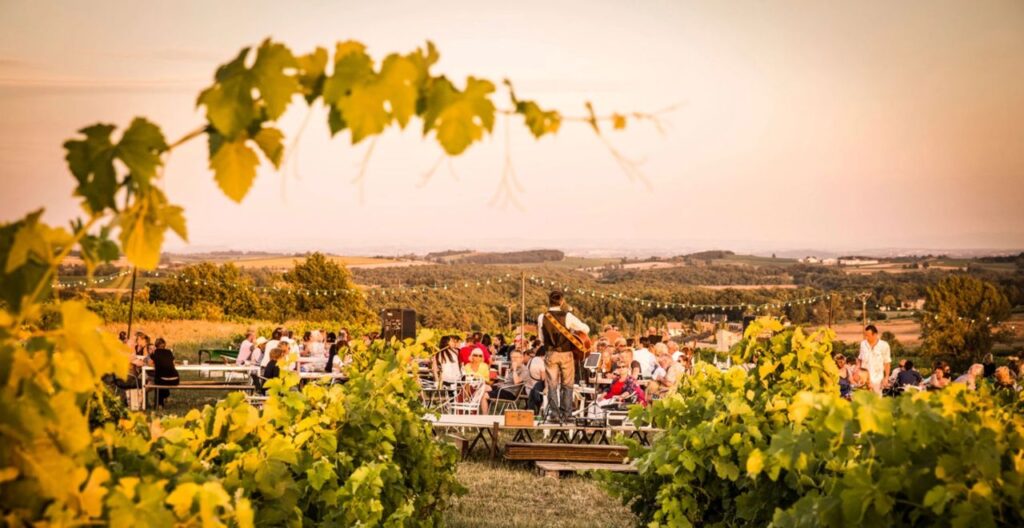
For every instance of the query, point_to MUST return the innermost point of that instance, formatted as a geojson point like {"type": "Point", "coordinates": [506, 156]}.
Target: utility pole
{"type": "Point", "coordinates": [863, 297]}
{"type": "Point", "coordinates": [522, 310]}
{"type": "Point", "coordinates": [131, 302]}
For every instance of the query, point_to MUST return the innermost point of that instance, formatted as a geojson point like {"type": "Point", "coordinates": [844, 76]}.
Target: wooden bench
{"type": "Point", "coordinates": [200, 385]}
{"type": "Point", "coordinates": [527, 451]}
{"type": "Point", "coordinates": [555, 469]}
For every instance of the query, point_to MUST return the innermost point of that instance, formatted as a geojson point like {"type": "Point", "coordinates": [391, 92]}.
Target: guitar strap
{"type": "Point", "coordinates": [564, 331]}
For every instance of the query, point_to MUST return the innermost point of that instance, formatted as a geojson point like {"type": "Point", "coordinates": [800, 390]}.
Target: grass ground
{"type": "Point", "coordinates": [515, 496]}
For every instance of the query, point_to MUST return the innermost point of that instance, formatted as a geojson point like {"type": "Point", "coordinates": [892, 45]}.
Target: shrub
{"type": "Point", "coordinates": [778, 445]}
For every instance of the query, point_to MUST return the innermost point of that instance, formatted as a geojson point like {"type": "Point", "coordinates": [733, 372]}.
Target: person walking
{"type": "Point", "coordinates": [556, 331]}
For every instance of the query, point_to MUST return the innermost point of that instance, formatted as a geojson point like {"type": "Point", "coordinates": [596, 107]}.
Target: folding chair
{"type": "Point", "coordinates": [512, 393]}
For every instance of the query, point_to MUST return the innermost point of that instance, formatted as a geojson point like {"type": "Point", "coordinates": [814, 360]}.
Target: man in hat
{"type": "Point", "coordinates": [554, 325]}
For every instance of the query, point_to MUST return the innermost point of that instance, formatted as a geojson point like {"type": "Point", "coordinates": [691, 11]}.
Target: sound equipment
{"type": "Point", "coordinates": [398, 323]}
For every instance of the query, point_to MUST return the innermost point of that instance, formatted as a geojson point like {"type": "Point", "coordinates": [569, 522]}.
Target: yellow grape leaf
{"type": "Point", "coordinates": [460, 118]}
{"type": "Point", "coordinates": [244, 514]}
{"type": "Point", "coordinates": [234, 168]}
{"type": "Point", "coordinates": [91, 497]}
{"type": "Point", "coordinates": [400, 76]}
{"type": "Point", "coordinates": [755, 462]}
{"type": "Point", "coordinates": [212, 497]}
{"type": "Point", "coordinates": [364, 111]}
{"type": "Point", "coordinates": [271, 141]}
{"type": "Point", "coordinates": [618, 121]}
{"type": "Point", "coordinates": [311, 68]}
{"type": "Point", "coordinates": [180, 500]}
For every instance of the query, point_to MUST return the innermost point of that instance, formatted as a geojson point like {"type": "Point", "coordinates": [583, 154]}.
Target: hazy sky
{"type": "Point", "coordinates": [804, 124]}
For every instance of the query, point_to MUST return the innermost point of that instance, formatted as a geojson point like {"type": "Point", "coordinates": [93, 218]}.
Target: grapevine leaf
{"type": "Point", "coordinates": [91, 161]}
{"type": "Point", "coordinates": [181, 499]}
{"type": "Point", "coordinates": [539, 122]}
{"type": "Point", "coordinates": [229, 103]}
{"type": "Point", "coordinates": [460, 118]}
{"type": "Point", "coordinates": [755, 462]}
{"type": "Point", "coordinates": [271, 141]}
{"type": "Point", "coordinates": [140, 148]}
{"type": "Point", "coordinates": [276, 87]}
{"type": "Point", "coordinates": [143, 226]}
{"type": "Point", "coordinates": [400, 77]}
{"type": "Point", "coordinates": [234, 168]}
{"type": "Point", "coordinates": [93, 493]}
{"type": "Point", "coordinates": [311, 69]}
{"type": "Point", "coordinates": [364, 111]}
{"type": "Point", "coordinates": [351, 66]}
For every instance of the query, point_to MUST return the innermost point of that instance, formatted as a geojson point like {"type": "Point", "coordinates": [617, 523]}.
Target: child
{"type": "Point", "coordinates": [272, 371]}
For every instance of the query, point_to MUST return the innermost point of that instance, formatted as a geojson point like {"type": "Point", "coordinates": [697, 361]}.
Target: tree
{"type": "Point", "coordinates": [224, 287]}
{"type": "Point", "coordinates": [320, 289]}
{"type": "Point", "coordinates": [961, 313]}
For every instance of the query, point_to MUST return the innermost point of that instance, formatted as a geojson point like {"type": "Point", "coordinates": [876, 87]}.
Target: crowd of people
{"type": "Point", "coordinates": [872, 370]}
{"type": "Point", "coordinates": [536, 368]}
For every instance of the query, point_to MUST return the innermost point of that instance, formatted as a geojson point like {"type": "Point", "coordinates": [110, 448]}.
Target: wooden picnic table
{"type": "Point", "coordinates": [488, 426]}
{"type": "Point", "coordinates": [204, 368]}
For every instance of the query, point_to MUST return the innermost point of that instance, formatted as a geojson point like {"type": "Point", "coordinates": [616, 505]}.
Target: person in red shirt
{"type": "Point", "coordinates": [474, 343]}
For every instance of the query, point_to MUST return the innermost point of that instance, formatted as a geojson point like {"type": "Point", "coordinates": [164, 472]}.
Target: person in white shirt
{"type": "Point", "coordinates": [561, 365]}
{"type": "Point", "coordinates": [876, 358]}
{"type": "Point", "coordinates": [275, 339]}
{"type": "Point", "coordinates": [245, 349]}
{"type": "Point", "coordinates": [646, 358]}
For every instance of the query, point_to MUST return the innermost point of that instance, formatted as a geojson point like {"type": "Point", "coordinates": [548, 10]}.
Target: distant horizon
{"type": "Point", "coordinates": [595, 252]}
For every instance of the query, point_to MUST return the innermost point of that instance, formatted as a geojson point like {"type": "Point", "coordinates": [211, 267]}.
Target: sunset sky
{"type": "Point", "coordinates": [800, 124]}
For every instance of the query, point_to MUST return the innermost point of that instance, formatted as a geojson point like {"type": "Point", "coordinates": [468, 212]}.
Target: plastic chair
{"type": "Point", "coordinates": [469, 405]}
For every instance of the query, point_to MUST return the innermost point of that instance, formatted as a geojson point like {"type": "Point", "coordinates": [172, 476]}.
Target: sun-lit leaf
{"type": "Point", "coordinates": [140, 148]}
{"type": "Point", "coordinates": [273, 77]}
{"type": "Point", "coordinates": [234, 168]}
{"type": "Point", "coordinates": [271, 141]}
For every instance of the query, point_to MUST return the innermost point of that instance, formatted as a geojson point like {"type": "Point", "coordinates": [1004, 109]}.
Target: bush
{"type": "Point", "coordinates": [778, 445]}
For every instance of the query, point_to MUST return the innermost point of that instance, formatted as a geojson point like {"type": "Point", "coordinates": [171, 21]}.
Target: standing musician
{"type": "Point", "coordinates": [557, 332]}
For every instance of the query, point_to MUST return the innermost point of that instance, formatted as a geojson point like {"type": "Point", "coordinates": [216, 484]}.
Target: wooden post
{"type": "Point", "coordinates": [131, 302]}
{"type": "Point", "coordinates": [522, 309]}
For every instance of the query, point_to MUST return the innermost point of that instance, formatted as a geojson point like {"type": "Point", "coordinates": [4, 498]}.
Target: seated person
{"type": "Point", "coordinates": [667, 376]}
{"type": "Point", "coordinates": [846, 375]}
{"type": "Point", "coordinates": [623, 389]}
{"type": "Point", "coordinates": [517, 374]}
{"type": "Point", "coordinates": [164, 372]}
{"type": "Point", "coordinates": [273, 370]}
{"type": "Point", "coordinates": [939, 378]}
{"type": "Point", "coordinates": [479, 374]}
{"type": "Point", "coordinates": [908, 376]}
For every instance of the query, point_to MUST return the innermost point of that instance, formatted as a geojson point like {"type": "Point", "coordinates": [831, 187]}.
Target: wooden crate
{"type": "Point", "coordinates": [518, 418]}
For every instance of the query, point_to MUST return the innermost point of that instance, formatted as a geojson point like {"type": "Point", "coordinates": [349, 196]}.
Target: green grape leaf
{"type": "Point", "coordinates": [229, 103]}
{"type": "Point", "coordinates": [234, 168]}
{"type": "Point", "coordinates": [17, 281]}
{"type": "Point", "coordinates": [459, 118]}
{"type": "Point", "coordinates": [140, 148]}
{"type": "Point", "coordinates": [335, 121]}
{"type": "Point", "coordinates": [91, 161]}
{"type": "Point", "coordinates": [539, 122]}
{"type": "Point", "coordinates": [181, 499]}
{"type": "Point", "coordinates": [275, 85]}
{"type": "Point", "coordinates": [271, 141]}
{"type": "Point", "coordinates": [352, 66]}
